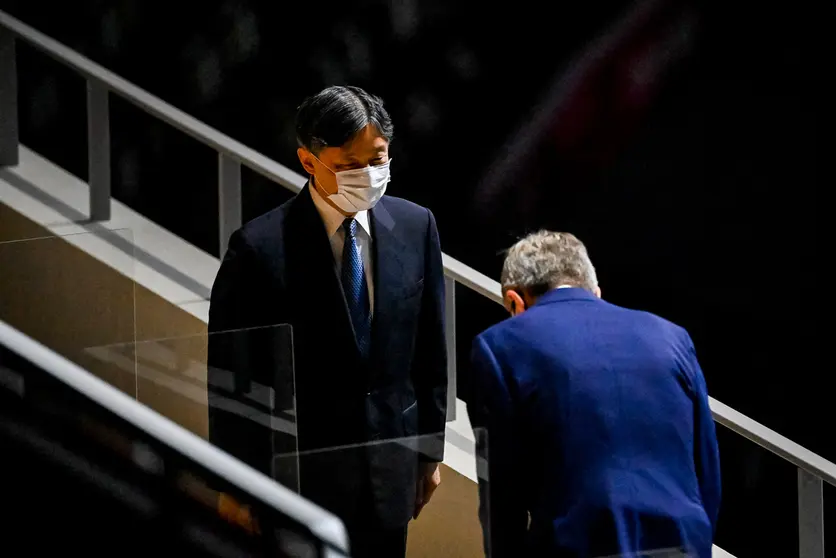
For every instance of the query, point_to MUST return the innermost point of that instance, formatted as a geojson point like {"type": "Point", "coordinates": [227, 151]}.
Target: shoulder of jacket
{"type": "Point", "coordinates": [401, 205]}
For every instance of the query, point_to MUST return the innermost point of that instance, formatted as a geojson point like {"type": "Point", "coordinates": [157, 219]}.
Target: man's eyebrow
{"type": "Point", "coordinates": [353, 160]}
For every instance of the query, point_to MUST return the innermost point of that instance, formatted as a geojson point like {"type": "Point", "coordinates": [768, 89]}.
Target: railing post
{"type": "Point", "coordinates": [229, 198]}
{"type": "Point", "coordinates": [98, 150]}
{"type": "Point", "coordinates": [810, 516]}
{"type": "Point", "coordinates": [9, 140]}
{"type": "Point", "coordinates": [450, 328]}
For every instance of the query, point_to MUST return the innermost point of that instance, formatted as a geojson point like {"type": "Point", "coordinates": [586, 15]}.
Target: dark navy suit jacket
{"type": "Point", "coordinates": [598, 429]}
{"type": "Point", "coordinates": [279, 269]}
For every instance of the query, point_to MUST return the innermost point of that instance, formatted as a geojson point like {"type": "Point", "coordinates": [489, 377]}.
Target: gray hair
{"type": "Point", "coordinates": [546, 260]}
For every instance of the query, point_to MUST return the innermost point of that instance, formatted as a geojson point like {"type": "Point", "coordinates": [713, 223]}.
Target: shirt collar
{"type": "Point", "coordinates": [332, 218]}
{"type": "Point", "coordinates": [568, 293]}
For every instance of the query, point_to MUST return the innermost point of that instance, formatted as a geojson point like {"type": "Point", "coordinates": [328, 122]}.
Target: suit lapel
{"type": "Point", "coordinates": [387, 250]}
{"type": "Point", "coordinates": [313, 271]}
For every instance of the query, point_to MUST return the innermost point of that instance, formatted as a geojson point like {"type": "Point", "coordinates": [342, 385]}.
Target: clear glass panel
{"type": "Point", "coordinates": [235, 388]}
{"type": "Point", "coordinates": [377, 482]}
{"type": "Point", "coordinates": [452, 523]}
{"type": "Point", "coordinates": [68, 443]}
{"type": "Point", "coordinates": [71, 292]}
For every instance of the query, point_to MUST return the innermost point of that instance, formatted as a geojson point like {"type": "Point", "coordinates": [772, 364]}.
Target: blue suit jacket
{"type": "Point", "coordinates": [598, 427]}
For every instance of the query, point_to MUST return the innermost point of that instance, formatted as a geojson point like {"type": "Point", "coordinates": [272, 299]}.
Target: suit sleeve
{"type": "Point", "coordinates": [430, 368]}
{"type": "Point", "coordinates": [502, 509]}
{"type": "Point", "coordinates": [233, 412]}
{"type": "Point", "coordinates": [706, 453]}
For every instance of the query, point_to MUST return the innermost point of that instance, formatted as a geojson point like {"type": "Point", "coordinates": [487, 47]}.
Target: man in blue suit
{"type": "Point", "coordinates": [600, 440]}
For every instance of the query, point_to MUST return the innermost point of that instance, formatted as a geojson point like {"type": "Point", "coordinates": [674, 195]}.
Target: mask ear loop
{"type": "Point", "coordinates": [316, 182]}
{"type": "Point", "coordinates": [323, 164]}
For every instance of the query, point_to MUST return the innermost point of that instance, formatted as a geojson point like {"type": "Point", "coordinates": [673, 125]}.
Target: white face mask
{"type": "Point", "coordinates": [360, 189]}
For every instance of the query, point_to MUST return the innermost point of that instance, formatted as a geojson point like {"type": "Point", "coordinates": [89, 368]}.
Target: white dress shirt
{"type": "Point", "coordinates": [333, 221]}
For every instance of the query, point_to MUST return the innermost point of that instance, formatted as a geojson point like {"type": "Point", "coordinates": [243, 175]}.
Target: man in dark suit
{"type": "Point", "coordinates": [358, 275]}
{"type": "Point", "coordinates": [600, 438]}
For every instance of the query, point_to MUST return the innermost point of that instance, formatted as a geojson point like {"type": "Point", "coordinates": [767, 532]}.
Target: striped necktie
{"type": "Point", "coordinates": [355, 288]}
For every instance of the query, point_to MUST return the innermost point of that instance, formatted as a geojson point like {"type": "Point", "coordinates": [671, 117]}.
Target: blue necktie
{"type": "Point", "coordinates": [355, 287]}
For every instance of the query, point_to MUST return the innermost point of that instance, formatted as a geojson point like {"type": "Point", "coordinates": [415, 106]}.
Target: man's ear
{"type": "Point", "coordinates": [514, 303]}
{"type": "Point", "coordinates": [306, 158]}
{"type": "Point", "coordinates": [597, 292]}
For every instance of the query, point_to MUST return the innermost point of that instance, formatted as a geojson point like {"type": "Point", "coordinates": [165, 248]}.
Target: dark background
{"type": "Point", "coordinates": [678, 139]}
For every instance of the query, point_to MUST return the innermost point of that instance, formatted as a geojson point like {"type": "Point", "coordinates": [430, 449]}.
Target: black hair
{"type": "Point", "coordinates": [334, 115]}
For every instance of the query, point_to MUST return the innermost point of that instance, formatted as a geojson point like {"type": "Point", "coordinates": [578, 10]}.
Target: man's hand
{"type": "Point", "coordinates": [429, 477]}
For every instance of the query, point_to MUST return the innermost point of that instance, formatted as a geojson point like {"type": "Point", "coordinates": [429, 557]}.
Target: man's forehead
{"type": "Point", "coordinates": [356, 150]}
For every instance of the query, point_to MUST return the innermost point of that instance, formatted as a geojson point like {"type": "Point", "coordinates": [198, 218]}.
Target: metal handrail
{"type": "Point", "coordinates": [322, 523]}
{"type": "Point", "coordinates": [154, 106]}
{"type": "Point", "coordinates": [472, 279]}
{"type": "Point", "coordinates": [767, 438]}
{"type": "Point", "coordinates": [812, 468]}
